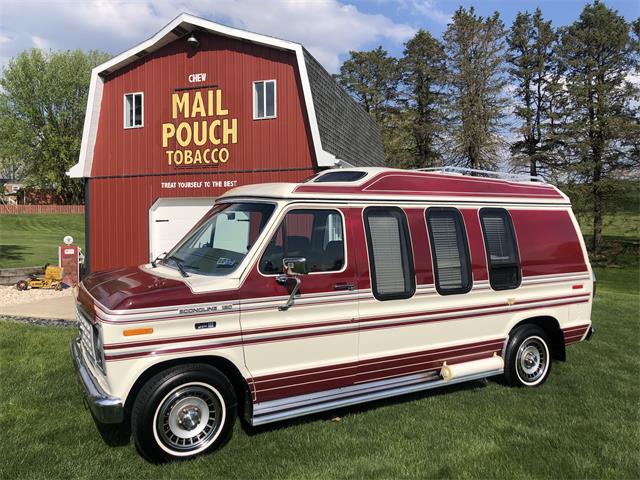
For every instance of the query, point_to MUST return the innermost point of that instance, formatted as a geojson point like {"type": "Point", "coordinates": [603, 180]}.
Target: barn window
{"type": "Point", "coordinates": [450, 250]}
{"type": "Point", "coordinates": [390, 255]}
{"type": "Point", "coordinates": [502, 251]}
{"type": "Point", "coordinates": [133, 110]}
{"type": "Point", "coordinates": [264, 99]}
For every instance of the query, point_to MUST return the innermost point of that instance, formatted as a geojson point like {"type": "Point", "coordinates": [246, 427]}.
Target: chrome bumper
{"type": "Point", "coordinates": [105, 408]}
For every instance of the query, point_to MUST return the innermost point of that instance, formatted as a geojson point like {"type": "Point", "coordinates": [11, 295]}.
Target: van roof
{"type": "Point", "coordinates": [388, 184]}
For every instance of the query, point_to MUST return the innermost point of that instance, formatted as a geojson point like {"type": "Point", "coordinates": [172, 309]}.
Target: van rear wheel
{"type": "Point", "coordinates": [528, 357]}
{"type": "Point", "coordinates": [183, 412]}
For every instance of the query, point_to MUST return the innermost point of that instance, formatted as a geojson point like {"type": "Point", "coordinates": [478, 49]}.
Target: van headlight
{"type": "Point", "coordinates": [98, 347]}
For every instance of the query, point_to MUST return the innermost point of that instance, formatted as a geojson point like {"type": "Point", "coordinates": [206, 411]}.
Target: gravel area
{"type": "Point", "coordinates": [10, 295]}
{"type": "Point", "coordinates": [42, 322]}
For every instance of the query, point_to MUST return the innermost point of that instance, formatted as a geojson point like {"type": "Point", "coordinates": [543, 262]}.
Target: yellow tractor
{"type": "Point", "coordinates": [52, 279]}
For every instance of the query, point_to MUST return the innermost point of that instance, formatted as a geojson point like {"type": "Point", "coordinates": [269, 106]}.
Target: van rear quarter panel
{"type": "Point", "coordinates": [548, 242]}
{"type": "Point", "coordinates": [554, 261]}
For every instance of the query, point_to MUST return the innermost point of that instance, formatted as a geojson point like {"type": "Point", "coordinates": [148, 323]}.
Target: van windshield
{"type": "Point", "coordinates": [218, 244]}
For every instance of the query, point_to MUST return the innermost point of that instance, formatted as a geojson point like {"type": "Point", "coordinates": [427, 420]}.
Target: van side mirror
{"type": "Point", "coordinates": [295, 266]}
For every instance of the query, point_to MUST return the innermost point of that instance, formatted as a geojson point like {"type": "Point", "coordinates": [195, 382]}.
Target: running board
{"type": "Point", "coordinates": [283, 409]}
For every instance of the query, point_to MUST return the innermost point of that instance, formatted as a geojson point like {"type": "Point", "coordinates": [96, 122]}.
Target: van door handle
{"type": "Point", "coordinates": [344, 286]}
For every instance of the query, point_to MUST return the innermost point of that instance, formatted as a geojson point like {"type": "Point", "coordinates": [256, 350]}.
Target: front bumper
{"type": "Point", "coordinates": [105, 408]}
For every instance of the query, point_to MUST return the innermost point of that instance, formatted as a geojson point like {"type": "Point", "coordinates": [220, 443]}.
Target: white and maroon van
{"type": "Point", "coordinates": [355, 285]}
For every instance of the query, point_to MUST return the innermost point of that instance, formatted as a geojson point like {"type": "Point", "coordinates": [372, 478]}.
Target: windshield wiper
{"type": "Point", "coordinates": [155, 260]}
{"type": "Point", "coordinates": [178, 262]}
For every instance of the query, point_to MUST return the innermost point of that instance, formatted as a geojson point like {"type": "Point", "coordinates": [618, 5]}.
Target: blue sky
{"type": "Point", "coordinates": [328, 28]}
{"type": "Point", "coordinates": [433, 15]}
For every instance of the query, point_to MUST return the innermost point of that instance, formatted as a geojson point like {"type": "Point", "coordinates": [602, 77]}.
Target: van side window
{"type": "Point", "coordinates": [450, 250]}
{"type": "Point", "coordinates": [317, 235]}
{"type": "Point", "coordinates": [502, 252]}
{"type": "Point", "coordinates": [390, 256]}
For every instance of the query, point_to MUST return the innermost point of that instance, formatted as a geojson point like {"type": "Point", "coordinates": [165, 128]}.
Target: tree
{"type": "Point", "coordinates": [475, 50]}
{"type": "Point", "coordinates": [531, 41]}
{"type": "Point", "coordinates": [599, 132]}
{"type": "Point", "coordinates": [372, 78]}
{"type": "Point", "coordinates": [42, 104]}
{"type": "Point", "coordinates": [424, 74]}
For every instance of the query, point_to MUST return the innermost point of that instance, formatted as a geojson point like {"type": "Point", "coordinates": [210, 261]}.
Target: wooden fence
{"type": "Point", "coordinates": [40, 209]}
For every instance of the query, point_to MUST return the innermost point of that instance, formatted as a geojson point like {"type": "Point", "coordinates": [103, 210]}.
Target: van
{"type": "Point", "coordinates": [352, 286]}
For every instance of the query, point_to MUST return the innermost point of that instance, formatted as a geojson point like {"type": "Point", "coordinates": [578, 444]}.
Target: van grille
{"type": "Point", "coordinates": [86, 336]}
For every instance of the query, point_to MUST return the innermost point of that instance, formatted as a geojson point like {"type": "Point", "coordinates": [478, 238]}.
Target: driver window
{"type": "Point", "coordinates": [317, 235]}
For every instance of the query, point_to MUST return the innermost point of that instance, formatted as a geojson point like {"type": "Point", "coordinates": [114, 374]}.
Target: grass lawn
{"type": "Point", "coordinates": [583, 423]}
{"type": "Point", "coordinates": [32, 240]}
{"type": "Point", "coordinates": [620, 225]}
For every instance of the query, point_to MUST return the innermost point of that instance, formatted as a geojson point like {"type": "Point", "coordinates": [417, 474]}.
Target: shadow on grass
{"type": "Point", "coordinates": [364, 407]}
{"type": "Point", "coordinates": [13, 252]}
{"type": "Point", "coordinates": [114, 435]}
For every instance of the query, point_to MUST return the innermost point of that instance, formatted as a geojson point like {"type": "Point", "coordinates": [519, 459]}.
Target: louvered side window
{"type": "Point", "coordinates": [450, 251]}
{"type": "Point", "coordinates": [502, 252]}
{"type": "Point", "coordinates": [390, 255]}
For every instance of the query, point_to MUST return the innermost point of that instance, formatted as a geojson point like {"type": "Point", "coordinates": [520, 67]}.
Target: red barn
{"type": "Point", "coordinates": [198, 109]}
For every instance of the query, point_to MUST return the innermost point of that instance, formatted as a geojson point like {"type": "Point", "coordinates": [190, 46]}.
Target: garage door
{"type": "Point", "coordinates": [171, 218]}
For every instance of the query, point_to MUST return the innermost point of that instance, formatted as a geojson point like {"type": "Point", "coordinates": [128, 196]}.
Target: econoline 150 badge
{"type": "Point", "coordinates": [213, 308]}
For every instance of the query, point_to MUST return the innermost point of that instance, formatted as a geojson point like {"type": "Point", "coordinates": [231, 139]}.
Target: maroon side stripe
{"type": "Point", "coordinates": [319, 334]}
{"type": "Point", "coordinates": [462, 309]}
{"type": "Point", "coordinates": [458, 317]}
{"type": "Point", "coordinates": [195, 338]}
{"type": "Point", "coordinates": [392, 359]}
{"type": "Point", "coordinates": [341, 323]}
{"type": "Point", "coordinates": [167, 351]}
{"type": "Point", "coordinates": [362, 376]}
{"type": "Point", "coordinates": [386, 368]}
{"type": "Point", "coordinates": [574, 334]}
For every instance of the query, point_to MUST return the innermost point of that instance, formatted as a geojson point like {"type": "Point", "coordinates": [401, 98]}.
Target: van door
{"type": "Point", "coordinates": [312, 345]}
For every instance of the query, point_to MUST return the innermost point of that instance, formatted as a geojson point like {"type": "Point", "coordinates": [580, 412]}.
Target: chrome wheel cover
{"type": "Point", "coordinates": [532, 360]}
{"type": "Point", "coordinates": [189, 419]}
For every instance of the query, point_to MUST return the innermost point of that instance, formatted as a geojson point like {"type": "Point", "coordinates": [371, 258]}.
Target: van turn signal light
{"type": "Point", "coordinates": [137, 331]}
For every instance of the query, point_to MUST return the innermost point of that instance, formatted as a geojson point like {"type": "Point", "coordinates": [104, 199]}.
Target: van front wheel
{"type": "Point", "coordinates": [528, 357]}
{"type": "Point", "coordinates": [183, 412]}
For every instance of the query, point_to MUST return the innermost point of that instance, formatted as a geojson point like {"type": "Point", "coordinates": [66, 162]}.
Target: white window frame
{"type": "Point", "coordinates": [124, 109]}
{"type": "Point", "coordinates": [277, 223]}
{"type": "Point", "coordinates": [264, 96]}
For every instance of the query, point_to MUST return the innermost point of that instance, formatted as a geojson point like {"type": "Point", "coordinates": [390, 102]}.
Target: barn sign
{"type": "Point", "coordinates": [200, 129]}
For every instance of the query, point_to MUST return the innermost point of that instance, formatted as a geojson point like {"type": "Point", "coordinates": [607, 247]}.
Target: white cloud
{"type": "Point", "coordinates": [41, 43]}
{"type": "Point", "coordinates": [428, 9]}
{"type": "Point", "coordinates": [328, 28]}
{"type": "Point", "coordinates": [5, 39]}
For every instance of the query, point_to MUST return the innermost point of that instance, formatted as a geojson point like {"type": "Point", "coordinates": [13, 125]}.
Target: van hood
{"type": "Point", "coordinates": [133, 288]}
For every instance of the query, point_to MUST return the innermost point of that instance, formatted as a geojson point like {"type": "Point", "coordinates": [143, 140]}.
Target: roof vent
{"type": "Point", "coordinates": [142, 53]}
{"type": "Point", "coordinates": [341, 176]}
